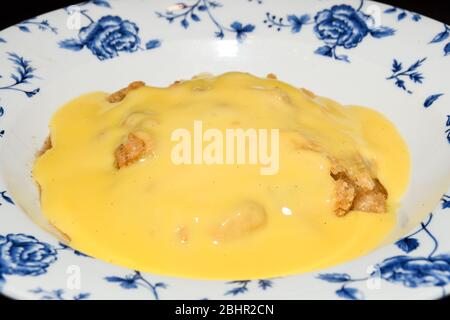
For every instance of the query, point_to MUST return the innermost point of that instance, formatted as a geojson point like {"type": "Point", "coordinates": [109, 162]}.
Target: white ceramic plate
{"type": "Point", "coordinates": [356, 52]}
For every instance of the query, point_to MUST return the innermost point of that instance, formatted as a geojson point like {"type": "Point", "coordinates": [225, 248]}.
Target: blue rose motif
{"type": "Point", "coordinates": [341, 25]}
{"type": "Point", "coordinates": [338, 26]}
{"type": "Point", "coordinates": [417, 271]}
{"type": "Point", "coordinates": [107, 37]}
{"type": "Point", "coordinates": [110, 35]}
{"type": "Point", "coordinates": [24, 255]}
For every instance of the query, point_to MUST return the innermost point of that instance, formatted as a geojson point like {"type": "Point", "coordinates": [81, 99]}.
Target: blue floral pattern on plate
{"type": "Point", "coordinates": [3, 194]}
{"type": "Point", "coordinates": [42, 25]}
{"type": "Point", "coordinates": [447, 131]}
{"type": "Point", "coordinates": [22, 74]}
{"type": "Point", "coordinates": [410, 271]}
{"type": "Point", "coordinates": [431, 99]}
{"type": "Point", "coordinates": [441, 37]}
{"type": "Point", "coordinates": [341, 26]}
{"type": "Point", "coordinates": [24, 255]}
{"type": "Point", "coordinates": [446, 198]}
{"type": "Point", "coordinates": [58, 294]}
{"type": "Point", "coordinates": [107, 37]}
{"type": "Point", "coordinates": [241, 286]}
{"type": "Point", "coordinates": [401, 74]}
{"type": "Point", "coordinates": [135, 281]}
{"type": "Point", "coordinates": [191, 13]}
{"type": "Point", "coordinates": [402, 14]}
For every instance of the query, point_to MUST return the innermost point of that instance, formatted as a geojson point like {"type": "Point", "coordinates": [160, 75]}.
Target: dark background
{"type": "Point", "coordinates": [20, 10]}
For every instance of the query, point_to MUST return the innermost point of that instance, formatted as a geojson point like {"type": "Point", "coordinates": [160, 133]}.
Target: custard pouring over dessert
{"type": "Point", "coordinates": [108, 181]}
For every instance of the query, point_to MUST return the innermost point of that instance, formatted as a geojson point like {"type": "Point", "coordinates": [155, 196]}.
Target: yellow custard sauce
{"type": "Point", "coordinates": [217, 221]}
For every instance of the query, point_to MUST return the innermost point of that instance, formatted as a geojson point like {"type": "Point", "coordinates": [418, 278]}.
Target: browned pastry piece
{"type": "Point", "coordinates": [132, 150]}
{"type": "Point", "coordinates": [354, 194]}
{"type": "Point", "coordinates": [121, 94]}
{"type": "Point", "coordinates": [344, 195]}
{"type": "Point", "coordinates": [371, 201]}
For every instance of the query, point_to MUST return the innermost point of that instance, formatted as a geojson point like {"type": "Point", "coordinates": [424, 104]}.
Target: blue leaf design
{"type": "Point", "coordinates": [41, 25]}
{"type": "Point", "coordinates": [264, 284]}
{"type": "Point", "coordinates": [6, 198]}
{"type": "Point", "coordinates": [241, 30]}
{"type": "Point", "coordinates": [2, 111]}
{"type": "Point", "coordinates": [400, 75]}
{"type": "Point", "coordinates": [401, 16]}
{"type": "Point", "coordinates": [416, 65]}
{"type": "Point", "coordinates": [431, 99]}
{"type": "Point", "coordinates": [416, 17]}
{"type": "Point", "coordinates": [114, 279]}
{"type": "Point", "coordinates": [135, 280]}
{"type": "Point", "coordinates": [350, 293]}
{"type": "Point", "coordinates": [382, 32]}
{"type": "Point", "coordinates": [152, 44]}
{"type": "Point", "coordinates": [23, 68]}
{"type": "Point", "coordinates": [305, 18]}
{"type": "Point", "coordinates": [440, 37]}
{"type": "Point", "coordinates": [214, 4]}
{"type": "Point", "coordinates": [236, 291]}
{"type": "Point", "coordinates": [71, 44]}
{"type": "Point", "coordinates": [57, 294]}
{"type": "Point", "coordinates": [416, 77]}
{"type": "Point", "coordinates": [334, 277]}
{"type": "Point", "coordinates": [32, 93]}
{"type": "Point", "coordinates": [2, 40]}
{"type": "Point", "coordinates": [325, 51]}
{"type": "Point", "coordinates": [219, 34]}
{"type": "Point", "coordinates": [248, 28]}
{"type": "Point", "coordinates": [124, 282]}
{"type": "Point", "coordinates": [447, 49]}
{"type": "Point", "coordinates": [446, 199]}
{"type": "Point", "coordinates": [189, 13]}
{"type": "Point", "coordinates": [195, 17]}
{"type": "Point", "coordinates": [24, 28]}
{"type": "Point", "coordinates": [342, 57]}
{"type": "Point", "coordinates": [185, 23]}
{"type": "Point", "coordinates": [101, 3]}
{"type": "Point", "coordinates": [160, 285]}
{"type": "Point", "coordinates": [407, 244]}
{"type": "Point", "coordinates": [241, 287]}
{"type": "Point", "coordinates": [36, 290]}
{"type": "Point", "coordinates": [390, 10]}
{"type": "Point", "coordinates": [236, 26]}
{"type": "Point", "coordinates": [81, 296]}
{"type": "Point", "coordinates": [400, 83]}
{"type": "Point", "coordinates": [297, 22]}
{"type": "Point", "coordinates": [396, 66]}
